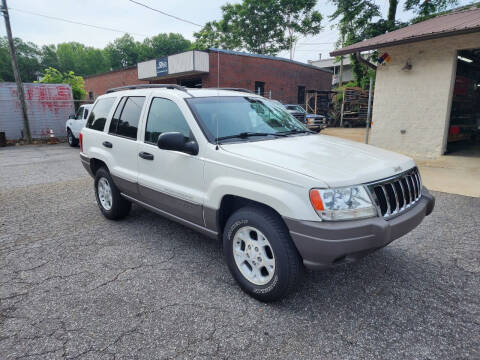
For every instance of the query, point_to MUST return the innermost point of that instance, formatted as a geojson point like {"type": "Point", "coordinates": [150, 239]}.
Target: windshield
{"type": "Point", "coordinates": [297, 108]}
{"type": "Point", "coordinates": [228, 116]}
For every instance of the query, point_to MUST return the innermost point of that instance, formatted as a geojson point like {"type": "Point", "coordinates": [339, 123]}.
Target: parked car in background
{"type": "Point", "coordinates": [223, 162]}
{"type": "Point", "coordinates": [314, 122]}
{"type": "Point", "coordinates": [76, 122]}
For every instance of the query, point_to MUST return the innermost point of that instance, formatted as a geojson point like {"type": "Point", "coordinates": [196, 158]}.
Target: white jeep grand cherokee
{"type": "Point", "coordinates": [234, 165]}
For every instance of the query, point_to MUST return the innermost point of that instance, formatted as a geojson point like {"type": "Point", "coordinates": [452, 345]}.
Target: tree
{"type": "Point", "coordinates": [299, 18]}
{"type": "Point", "coordinates": [425, 9]}
{"type": "Point", "coordinates": [354, 19]}
{"type": "Point", "coordinates": [162, 45]}
{"type": "Point", "coordinates": [123, 52]}
{"type": "Point", "coordinates": [263, 27]}
{"type": "Point", "coordinates": [53, 76]}
{"type": "Point", "coordinates": [28, 56]}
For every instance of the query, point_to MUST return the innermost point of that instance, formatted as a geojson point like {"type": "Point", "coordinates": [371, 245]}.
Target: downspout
{"type": "Point", "coordinates": [365, 62]}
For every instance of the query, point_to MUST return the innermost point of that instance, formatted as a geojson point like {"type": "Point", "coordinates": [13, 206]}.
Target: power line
{"type": "Point", "coordinates": [166, 14]}
{"type": "Point", "coordinates": [76, 22]}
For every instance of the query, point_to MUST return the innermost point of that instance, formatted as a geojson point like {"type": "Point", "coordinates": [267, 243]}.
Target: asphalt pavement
{"type": "Point", "coordinates": [76, 285]}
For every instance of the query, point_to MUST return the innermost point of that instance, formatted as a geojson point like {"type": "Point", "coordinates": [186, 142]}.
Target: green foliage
{"type": "Point", "coordinates": [263, 27]}
{"type": "Point", "coordinates": [54, 76]}
{"type": "Point", "coordinates": [86, 60]}
{"type": "Point", "coordinates": [424, 9]}
{"type": "Point", "coordinates": [162, 45]}
{"type": "Point", "coordinates": [27, 57]}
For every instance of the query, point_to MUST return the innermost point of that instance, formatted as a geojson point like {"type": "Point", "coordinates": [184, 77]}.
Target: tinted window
{"type": "Point", "coordinates": [85, 114]}
{"type": "Point", "coordinates": [79, 113]}
{"type": "Point", "coordinates": [129, 117]}
{"type": "Point", "coordinates": [164, 116]}
{"type": "Point", "coordinates": [99, 113]}
{"type": "Point", "coordinates": [116, 116]}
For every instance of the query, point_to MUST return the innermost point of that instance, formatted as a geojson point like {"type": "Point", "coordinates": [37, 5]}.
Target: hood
{"type": "Point", "coordinates": [334, 161]}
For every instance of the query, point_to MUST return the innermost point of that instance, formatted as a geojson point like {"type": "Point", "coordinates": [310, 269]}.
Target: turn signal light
{"type": "Point", "coordinates": [316, 200]}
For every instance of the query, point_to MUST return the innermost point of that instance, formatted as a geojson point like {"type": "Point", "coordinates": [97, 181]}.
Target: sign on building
{"type": "Point", "coordinates": [162, 66]}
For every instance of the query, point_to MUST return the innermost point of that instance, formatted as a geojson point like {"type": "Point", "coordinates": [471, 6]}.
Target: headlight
{"type": "Point", "coordinates": [342, 203]}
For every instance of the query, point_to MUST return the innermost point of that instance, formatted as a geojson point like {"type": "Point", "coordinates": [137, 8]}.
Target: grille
{"type": "Point", "coordinates": [395, 195]}
{"type": "Point", "coordinates": [300, 117]}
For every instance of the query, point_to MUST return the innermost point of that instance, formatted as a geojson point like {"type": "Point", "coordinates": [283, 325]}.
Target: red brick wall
{"type": "Point", "coordinates": [281, 77]}
{"type": "Point", "coordinates": [99, 84]}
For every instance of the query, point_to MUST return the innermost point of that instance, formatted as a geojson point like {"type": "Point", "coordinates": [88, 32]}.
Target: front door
{"type": "Point", "coordinates": [78, 123]}
{"type": "Point", "coordinates": [171, 181]}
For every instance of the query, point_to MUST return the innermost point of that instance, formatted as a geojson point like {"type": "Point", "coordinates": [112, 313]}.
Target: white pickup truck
{"type": "Point", "coordinates": [225, 162]}
{"type": "Point", "coordinates": [76, 122]}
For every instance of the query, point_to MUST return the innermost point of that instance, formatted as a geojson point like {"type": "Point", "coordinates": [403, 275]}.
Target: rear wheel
{"type": "Point", "coordinates": [260, 253]}
{"type": "Point", "coordinates": [72, 141]}
{"type": "Point", "coordinates": [112, 205]}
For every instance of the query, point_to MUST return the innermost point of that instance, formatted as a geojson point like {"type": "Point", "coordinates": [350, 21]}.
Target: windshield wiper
{"type": "Point", "coordinates": [297, 131]}
{"type": "Point", "coordinates": [246, 134]}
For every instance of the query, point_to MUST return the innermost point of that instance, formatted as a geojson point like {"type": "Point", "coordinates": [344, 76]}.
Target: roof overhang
{"type": "Point", "coordinates": [182, 64]}
{"type": "Point", "coordinates": [374, 46]}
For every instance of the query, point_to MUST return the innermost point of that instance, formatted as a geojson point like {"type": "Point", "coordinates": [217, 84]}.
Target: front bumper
{"type": "Point", "coordinates": [323, 244]}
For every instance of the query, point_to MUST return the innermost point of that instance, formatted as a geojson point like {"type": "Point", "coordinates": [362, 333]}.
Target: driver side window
{"type": "Point", "coordinates": [165, 116]}
{"type": "Point", "coordinates": [79, 114]}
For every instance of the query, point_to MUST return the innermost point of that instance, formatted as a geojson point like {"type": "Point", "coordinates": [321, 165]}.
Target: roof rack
{"type": "Point", "coordinates": [148, 86]}
{"type": "Point", "coordinates": [236, 89]}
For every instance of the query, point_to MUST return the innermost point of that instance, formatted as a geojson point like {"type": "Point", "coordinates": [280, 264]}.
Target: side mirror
{"type": "Point", "coordinates": [176, 141]}
{"type": "Point", "coordinates": [71, 116]}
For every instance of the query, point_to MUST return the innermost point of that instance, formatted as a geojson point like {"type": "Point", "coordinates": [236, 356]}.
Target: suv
{"type": "Point", "coordinates": [314, 122]}
{"type": "Point", "coordinates": [76, 122]}
{"type": "Point", "coordinates": [220, 161]}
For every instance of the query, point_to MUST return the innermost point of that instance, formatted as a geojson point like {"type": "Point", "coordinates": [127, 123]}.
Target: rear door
{"type": "Point", "coordinates": [171, 181]}
{"type": "Point", "coordinates": [122, 145]}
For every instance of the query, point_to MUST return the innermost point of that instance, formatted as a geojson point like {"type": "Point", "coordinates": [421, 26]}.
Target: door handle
{"type": "Point", "coordinates": [145, 155]}
{"type": "Point", "coordinates": [107, 144]}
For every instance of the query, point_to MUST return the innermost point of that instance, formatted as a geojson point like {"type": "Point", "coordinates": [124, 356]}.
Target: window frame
{"type": "Point", "coordinates": [139, 124]}
{"type": "Point", "coordinates": [82, 109]}
{"type": "Point", "coordinates": [191, 137]}
{"type": "Point", "coordinates": [107, 116]}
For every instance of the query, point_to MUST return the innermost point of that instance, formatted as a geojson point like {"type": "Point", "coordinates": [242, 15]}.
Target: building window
{"type": "Point", "coordinates": [91, 95]}
{"type": "Point", "coordinates": [301, 95]}
{"type": "Point", "coordinates": [259, 88]}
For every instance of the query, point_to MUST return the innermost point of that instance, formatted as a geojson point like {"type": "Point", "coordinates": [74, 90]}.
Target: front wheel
{"type": "Point", "coordinates": [260, 253]}
{"type": "Point", "coordinates": [71, 139]}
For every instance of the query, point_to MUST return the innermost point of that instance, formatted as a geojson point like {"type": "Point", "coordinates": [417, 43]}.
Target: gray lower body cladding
{"type": "Point", "coordinates": [324, 244]}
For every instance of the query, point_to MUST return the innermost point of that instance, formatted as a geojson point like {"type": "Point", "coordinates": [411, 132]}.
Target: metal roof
{"type": "Point", "coordinates": [456, 23]}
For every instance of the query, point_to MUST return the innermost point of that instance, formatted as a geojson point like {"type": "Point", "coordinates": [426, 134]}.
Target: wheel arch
{"type": "Point", "coordinates": [231, 203]}
{"type": "Point", "coordinates": [96, 164]}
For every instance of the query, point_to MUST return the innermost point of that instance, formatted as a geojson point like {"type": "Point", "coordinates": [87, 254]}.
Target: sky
{"type": "Point", "coordinates": [141, 22]}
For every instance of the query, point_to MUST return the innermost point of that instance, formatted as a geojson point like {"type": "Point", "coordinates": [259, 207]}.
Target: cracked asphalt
{"type": "Point", "coordinates": [76, 285]}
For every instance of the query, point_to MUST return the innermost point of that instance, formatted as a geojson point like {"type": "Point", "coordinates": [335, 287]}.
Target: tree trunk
{"type": "Point", "coordinates": [392, 11]}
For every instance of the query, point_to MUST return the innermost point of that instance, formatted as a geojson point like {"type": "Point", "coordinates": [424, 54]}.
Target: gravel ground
{"type": "Point", "coordinates": [76, 285]}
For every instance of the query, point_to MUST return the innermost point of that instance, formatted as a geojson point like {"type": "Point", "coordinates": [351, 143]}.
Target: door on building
{"type": "Point", "coordinates": [464, 130]}
{"type": "Point", "coordinates": [190, 82]}
{"type": "Point", "coordinates": [259, 88]}
{"type": "Point", "coordinates": [301, 95]}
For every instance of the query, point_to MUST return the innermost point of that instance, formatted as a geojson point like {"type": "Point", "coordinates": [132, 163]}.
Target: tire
{"type": "Point", "coordinates": [267, 284]}
{"type": "Point", "coordinates": [72, 141]}
{"type": "Point", "coordinates": [113, 206]}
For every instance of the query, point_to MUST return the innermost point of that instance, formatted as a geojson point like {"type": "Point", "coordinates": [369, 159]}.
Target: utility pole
{"type": "Point", "coordinates": [16, 73]}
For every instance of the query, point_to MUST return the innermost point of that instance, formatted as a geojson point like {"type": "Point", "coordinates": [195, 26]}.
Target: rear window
{"type": "Point", "coordinates": [99, 113]}
{"type": "Point", "coordinates": [127, 115]}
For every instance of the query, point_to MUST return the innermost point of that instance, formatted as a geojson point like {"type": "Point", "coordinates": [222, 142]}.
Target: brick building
{"type": "Point", "coordinates": [281, 79]}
